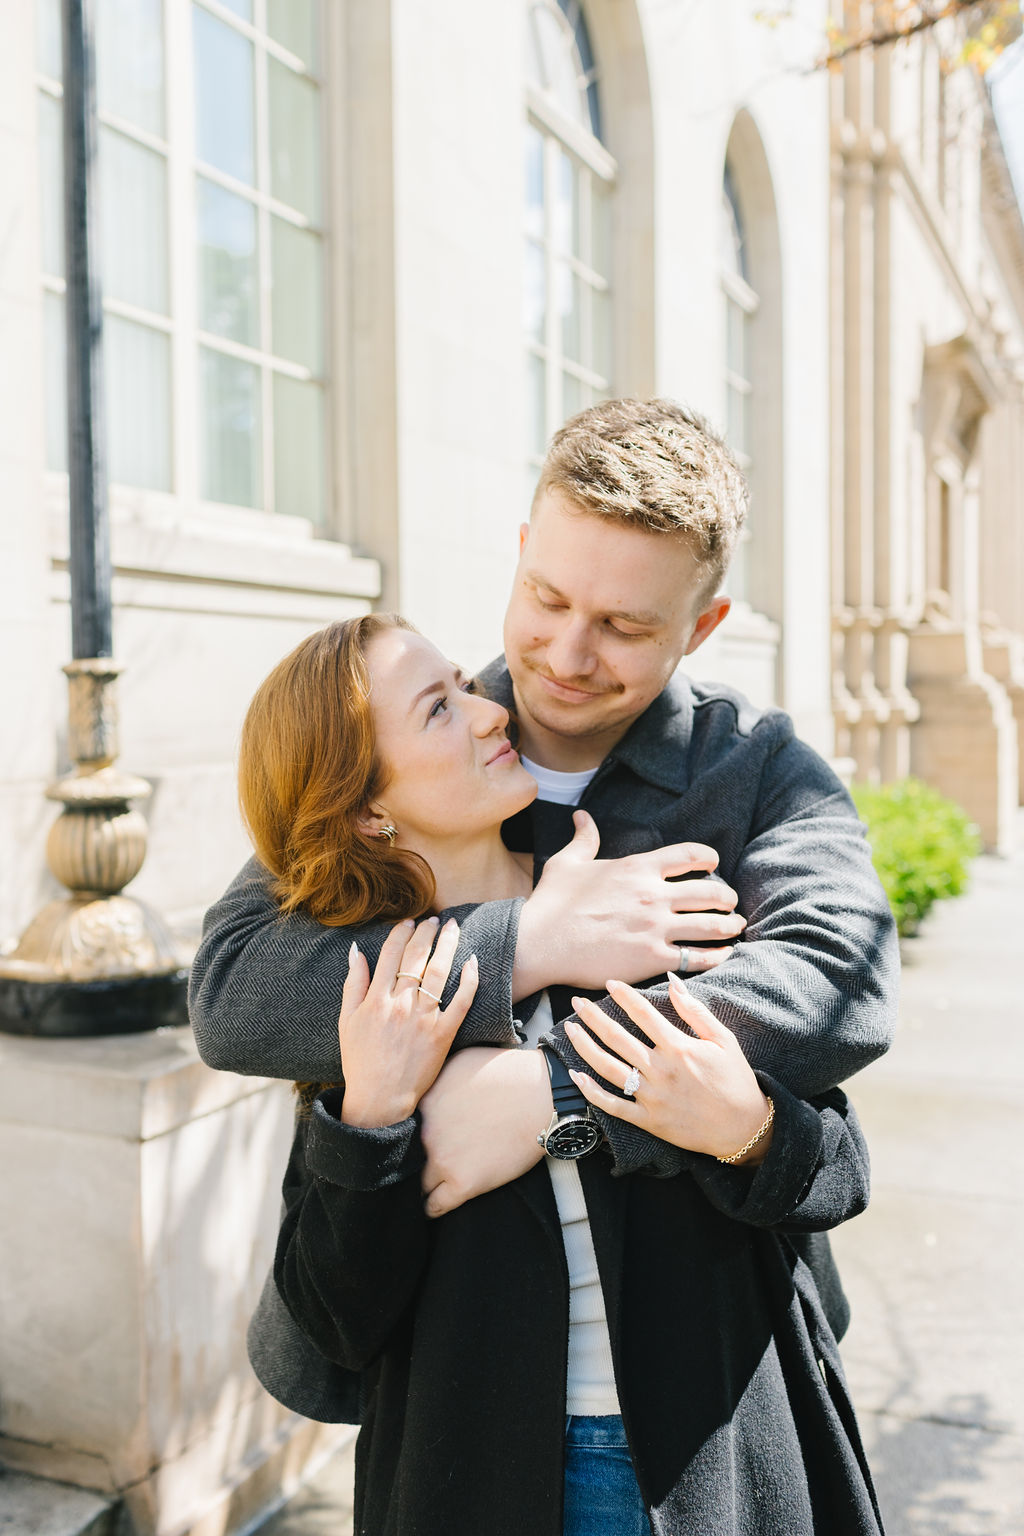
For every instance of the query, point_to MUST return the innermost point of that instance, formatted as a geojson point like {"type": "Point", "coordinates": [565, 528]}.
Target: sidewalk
{"type": "Point", "coordinates": [935, 1267]}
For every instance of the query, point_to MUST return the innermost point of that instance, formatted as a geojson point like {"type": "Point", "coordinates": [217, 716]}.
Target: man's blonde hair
{"type": "Point", "coordinates": [656, 465]}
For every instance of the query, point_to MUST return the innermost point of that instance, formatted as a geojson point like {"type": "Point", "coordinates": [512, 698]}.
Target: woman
{"type": "Point", "coordinates": [671, 1317]}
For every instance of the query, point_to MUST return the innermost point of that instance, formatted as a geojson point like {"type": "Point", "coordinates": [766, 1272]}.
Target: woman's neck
{"type": "Point", "coordinates": [480, 870]}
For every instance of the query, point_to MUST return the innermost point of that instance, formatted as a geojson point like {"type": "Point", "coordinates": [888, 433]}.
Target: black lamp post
{"type": "Point", "coordinates": [96, 962]}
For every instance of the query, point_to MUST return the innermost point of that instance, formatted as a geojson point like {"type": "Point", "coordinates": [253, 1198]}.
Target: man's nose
{"type": "Point", "coordinates": [569, 652]}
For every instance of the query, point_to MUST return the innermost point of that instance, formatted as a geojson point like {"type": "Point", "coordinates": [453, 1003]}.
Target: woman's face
{"type": "Point", "coordinates": [451, 770]}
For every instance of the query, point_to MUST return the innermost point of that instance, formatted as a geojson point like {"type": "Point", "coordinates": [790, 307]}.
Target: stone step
{"type": "Point", "coordinates": [34, 1506]}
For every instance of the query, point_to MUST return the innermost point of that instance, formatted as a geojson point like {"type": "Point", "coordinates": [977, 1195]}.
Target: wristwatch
{"type": "Point", "coordinates": [573, 1130]}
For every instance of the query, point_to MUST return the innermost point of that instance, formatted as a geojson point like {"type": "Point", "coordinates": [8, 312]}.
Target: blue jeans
{"type": "Point", "coordinates": [601, 1493]}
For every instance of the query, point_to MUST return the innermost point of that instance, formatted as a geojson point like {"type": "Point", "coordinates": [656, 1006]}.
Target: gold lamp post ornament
{"type": "Point", "coordinates": [97, 962]}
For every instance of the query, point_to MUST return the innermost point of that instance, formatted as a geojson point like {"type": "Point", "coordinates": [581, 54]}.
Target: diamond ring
{"type": "Point", "coordinates": [632, 1083]}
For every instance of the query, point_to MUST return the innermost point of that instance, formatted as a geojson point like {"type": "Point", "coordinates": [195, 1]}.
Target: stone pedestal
{"type": "Point", "coordinates": [139, 1208]}
{"type": "Point", "coordinates": [1004, 660]}
{"type": "Point", "coordinates": [965, 743]}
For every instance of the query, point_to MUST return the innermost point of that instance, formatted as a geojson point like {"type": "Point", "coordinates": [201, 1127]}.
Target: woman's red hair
{"type": "Point", "coordinates": [308, 768]}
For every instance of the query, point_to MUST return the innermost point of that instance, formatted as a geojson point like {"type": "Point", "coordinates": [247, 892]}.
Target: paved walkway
{"type": "Point", "coordinates": [935, 1267]}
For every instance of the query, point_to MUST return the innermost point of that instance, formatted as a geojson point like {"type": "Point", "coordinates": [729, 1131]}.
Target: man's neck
{"type": "Point", "coordinates": [564, 754]}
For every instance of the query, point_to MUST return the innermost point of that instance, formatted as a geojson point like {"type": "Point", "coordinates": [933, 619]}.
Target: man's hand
{"type": "Point", "coordinates": [591, 918]}
{"type": "Point", "coordinates": [481, 1120]}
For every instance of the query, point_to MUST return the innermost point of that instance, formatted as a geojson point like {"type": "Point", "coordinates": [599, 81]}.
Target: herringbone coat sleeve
{"type": "Point", "coordinates": [265, 989]}
{"type": "Point", "coordinates": [816, 1174]}
{"type": "Point", "coordinates": [811, 990]}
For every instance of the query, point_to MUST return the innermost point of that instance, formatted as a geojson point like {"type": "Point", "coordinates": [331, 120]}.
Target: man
{"type": "Point", "coordinates": [637, 511]}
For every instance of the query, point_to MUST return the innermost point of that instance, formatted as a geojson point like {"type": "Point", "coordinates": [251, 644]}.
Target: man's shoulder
{"type": "Point", "coordinates": [718, 707]}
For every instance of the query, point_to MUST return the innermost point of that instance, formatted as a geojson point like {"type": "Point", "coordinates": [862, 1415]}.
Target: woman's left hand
{"type": "Point", "coordinates": [700, 1094]}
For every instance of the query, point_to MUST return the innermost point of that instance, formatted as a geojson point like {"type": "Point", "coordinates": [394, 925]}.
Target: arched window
{"type": "Point", "coordinates": [569, 177]}
{"type": "Point", "coordinates": [741, 304]}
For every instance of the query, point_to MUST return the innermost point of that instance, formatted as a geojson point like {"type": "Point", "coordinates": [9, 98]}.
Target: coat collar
{"type": "Point", "coordinates": [656, 745]}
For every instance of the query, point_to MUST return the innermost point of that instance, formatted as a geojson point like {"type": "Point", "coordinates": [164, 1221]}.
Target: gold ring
{"type": "Point", "coordinates": [433, 999]}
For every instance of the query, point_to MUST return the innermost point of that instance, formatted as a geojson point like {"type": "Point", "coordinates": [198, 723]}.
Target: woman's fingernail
{"type": "Point", "coordinates": [353, 952]}
{"type": "Point", "coordinates": [570, 1026]}
{"type": "Point", "coordinates": [474, 962]}
{"type": "Point", "coordinates": [675, 980]}
{"type": "Point", "coordinates": [578, 1078]}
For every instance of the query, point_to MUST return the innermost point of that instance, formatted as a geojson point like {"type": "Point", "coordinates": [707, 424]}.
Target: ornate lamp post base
{"type": "Point", "coordinates": [96, 962]}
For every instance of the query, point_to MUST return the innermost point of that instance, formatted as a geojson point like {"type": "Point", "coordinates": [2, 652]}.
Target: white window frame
{"type": "Point", "coordinates": [181, 325]}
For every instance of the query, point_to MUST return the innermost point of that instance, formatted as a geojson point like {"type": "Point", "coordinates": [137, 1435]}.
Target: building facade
{"type": "Point", "coordinates": [360, 258]}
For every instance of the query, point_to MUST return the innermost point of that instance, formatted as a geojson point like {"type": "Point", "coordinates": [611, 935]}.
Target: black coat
{"type": "Point", "coordinates": [729, 1381]}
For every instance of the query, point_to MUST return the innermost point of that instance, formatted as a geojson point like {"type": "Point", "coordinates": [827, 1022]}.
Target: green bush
{"type": "Point", "coordinates": [921, 844]}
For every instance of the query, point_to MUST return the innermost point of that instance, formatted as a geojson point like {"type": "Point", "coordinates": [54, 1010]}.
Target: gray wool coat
{"type": "Point", "coordinates": [810, 991]}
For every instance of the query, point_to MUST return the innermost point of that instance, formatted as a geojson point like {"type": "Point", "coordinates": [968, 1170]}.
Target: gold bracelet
{"type": "Point", "coordinates": [752, 1143]}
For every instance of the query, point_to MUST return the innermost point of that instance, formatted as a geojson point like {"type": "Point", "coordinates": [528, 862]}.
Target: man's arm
{"type": "Point", "coordinates": [265, 990]}
{"type": "Point", "coordinates": [811, 992]}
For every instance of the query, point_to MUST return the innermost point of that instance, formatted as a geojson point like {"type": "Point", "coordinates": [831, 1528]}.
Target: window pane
{"type": "Point", "coordinates": [241, 8]}
{"type": "Point", "coordinates": [51, 175]}
{"type": "Point", "coordinates": [130, 61]}
{"type": "Point", "coordinates": [560, 66]}
{"type": "Point", "coordinates": [567, 205]}
{"type": "Point", "coordinates": [534, 292]}
{"type": "Point", "coordinates": [575, 394]}
{"type": "Point", "coordinates": [55, 381]}
{"type": "Point", "coordinates": [228, 265]}
{"type": "Point", "coordinates": [294, 24]}
{"type": "Point", "coordinates": [534, 183]}
{"type": "Point", "coordinates": [223, 86]}
{"type": "Point", "coordinates": [297, 302]}
{"type": "Point", "coordinates": [229, 406]}
{"type": "Point", "coordinates": [133, 208]}
{"type": "Point", "coordinates": [298, 449]}
{"type": "Point", "coordinates": [600, 337]}
{"type": "Point", "coordinates": [569, 297]}
{"type": "Point", "coordinates": [536, 404]}
{"type": "Point", "coordinates": [138, 368]}
{"type": "Point", "coordinates": [294, 140]}
{"type": "Point", "coordinates": [736, 338]}
{"type": "Point", "coordinates": [600, 228]}
{"type": "Point", "coordinates": [48, 40]}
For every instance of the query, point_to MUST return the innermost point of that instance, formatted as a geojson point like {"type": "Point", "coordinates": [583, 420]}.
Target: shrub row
{"type": "Point", "coordinates": [921, 843]}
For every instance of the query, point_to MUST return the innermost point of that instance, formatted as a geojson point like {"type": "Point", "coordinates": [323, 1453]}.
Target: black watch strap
{"type": "Point", "coordinates": [565, 1096]}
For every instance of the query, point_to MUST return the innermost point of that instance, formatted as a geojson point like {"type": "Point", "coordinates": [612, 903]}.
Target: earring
{"type": "Point", "coordinates": [388, 831]}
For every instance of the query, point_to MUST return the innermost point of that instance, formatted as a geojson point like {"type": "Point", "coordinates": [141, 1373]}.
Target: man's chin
{"type": "Point", "coordinates": [564, 717]}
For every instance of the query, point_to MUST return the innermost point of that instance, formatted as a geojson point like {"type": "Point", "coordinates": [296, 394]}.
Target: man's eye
{"type": "Point", "coordinates": [549, 605]}
{"type": "Point", "coordinates": [626, 634]}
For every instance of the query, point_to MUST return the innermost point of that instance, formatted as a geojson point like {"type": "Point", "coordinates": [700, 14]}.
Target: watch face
{"type": "Point", "coordinates": [573, 1137]}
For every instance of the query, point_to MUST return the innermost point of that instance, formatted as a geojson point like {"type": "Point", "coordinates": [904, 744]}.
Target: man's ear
{"type": "Point", "coordinates": [708, 621]}
{"type": "Point", "coordinates": [524, 533]}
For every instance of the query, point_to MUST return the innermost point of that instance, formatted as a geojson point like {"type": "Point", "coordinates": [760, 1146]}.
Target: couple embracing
{"type": "Point", "coordinates": [604, 944]}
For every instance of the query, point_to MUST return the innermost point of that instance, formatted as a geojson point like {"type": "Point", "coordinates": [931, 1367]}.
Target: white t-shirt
{"type": "Point", "coordinates": [562, 788]}
{"type": "Point", "coordinates": [590, 1383]}
{"type": "Point", "coordinates": [590, 1386]}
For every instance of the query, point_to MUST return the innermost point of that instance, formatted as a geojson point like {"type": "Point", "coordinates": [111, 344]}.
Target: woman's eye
{"type": "Point", "coordinates": [439, 706]}
{"type": "Point", "coordinates": [469, 686]}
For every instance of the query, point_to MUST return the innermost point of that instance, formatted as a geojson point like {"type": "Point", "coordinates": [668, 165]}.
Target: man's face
{"type": "Point", "coordinates": [599, 618]}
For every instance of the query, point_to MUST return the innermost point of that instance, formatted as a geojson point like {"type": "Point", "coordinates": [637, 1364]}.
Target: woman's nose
{"type": "Point", "coordinates": [488, 716]}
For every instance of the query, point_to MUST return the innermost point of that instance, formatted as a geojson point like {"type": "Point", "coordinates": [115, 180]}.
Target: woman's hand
{"type": "Point", "coordinates": [394, 1035]}
{"type": "Point", "coordinates": [700, 1093]}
